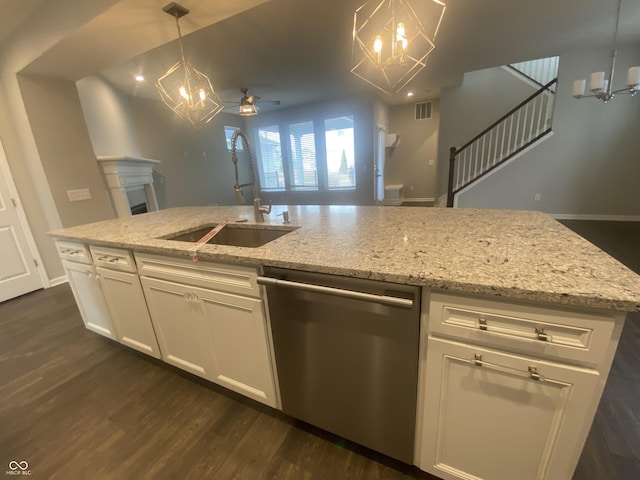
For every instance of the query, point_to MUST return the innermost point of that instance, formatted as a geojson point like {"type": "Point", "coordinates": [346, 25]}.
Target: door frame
{"type": "Point", "coordinates": [22, 218]}
{"type": "Point", "coordinates": [379, 163]}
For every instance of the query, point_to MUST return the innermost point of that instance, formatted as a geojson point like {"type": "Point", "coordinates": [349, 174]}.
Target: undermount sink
{"type": "Point", "coordinates": [235, 235]}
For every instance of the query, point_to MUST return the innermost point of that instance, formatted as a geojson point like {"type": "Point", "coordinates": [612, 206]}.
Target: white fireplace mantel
{"type": "Point", "coordinates": [125, 174]}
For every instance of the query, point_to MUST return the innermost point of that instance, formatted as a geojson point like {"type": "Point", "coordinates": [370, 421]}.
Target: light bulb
{"type": "Point", "coordinates": [401, 36]}
{"type": "Point", "coordinates": [183, 93]}
{"type": "Point", "coordinates": [377, 44]}
{"type": "Point", "coordinates": [377, 47]}
{"type": "Point", "coordinates": [203, 95]}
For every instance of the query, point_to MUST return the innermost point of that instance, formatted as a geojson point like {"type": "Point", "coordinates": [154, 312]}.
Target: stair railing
{"type": "Point", "coordinates": [522, 126]}
{"type": "Point", "coordinates": [539, 71]}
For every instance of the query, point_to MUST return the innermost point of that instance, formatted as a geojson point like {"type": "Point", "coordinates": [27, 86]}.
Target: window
{"type": "Point", "coordinates": [272, 171]}
{"type": "Point", "coordinates": [340, 153]}
{"type": "Point", "coordinates": [303, 156]}
{"type": "Point", "coordinates": [318, 156]}
{"type": "Point", "coordinates": [228, 133]}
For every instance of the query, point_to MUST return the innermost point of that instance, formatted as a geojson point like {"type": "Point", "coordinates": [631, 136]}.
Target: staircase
{"type": "Point", "coordinates": [517, 130]}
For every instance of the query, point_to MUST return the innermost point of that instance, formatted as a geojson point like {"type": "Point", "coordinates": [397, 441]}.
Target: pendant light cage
{"type": "Point", "coordinates": [392, 40]}
{"type": "Point", "coordinates": [183, 88]}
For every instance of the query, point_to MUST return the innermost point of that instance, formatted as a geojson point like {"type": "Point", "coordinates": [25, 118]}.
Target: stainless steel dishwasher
{"type": "Point", "coordinates": [346, 350]}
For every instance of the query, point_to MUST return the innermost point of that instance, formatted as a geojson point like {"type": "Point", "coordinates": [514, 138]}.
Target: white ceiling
{"type": "Point", "coordinates": [298, 51]}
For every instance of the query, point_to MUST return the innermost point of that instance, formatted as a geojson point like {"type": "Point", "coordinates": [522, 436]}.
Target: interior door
{"type": "Point", "coordinates": [18, 273]}
{"type": "Point", "coordinates": [378, 167]}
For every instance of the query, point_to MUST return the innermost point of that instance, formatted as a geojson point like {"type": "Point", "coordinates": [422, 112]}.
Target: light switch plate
{"type": "Point", "coordinates": [80, 194]}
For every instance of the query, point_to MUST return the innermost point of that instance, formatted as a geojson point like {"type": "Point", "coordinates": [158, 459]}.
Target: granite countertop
{"type": "Point", "coordinates": [516, 254]}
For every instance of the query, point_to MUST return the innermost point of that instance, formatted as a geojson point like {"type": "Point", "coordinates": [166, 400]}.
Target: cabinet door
{"type": "Point", "coordinates": [179, 324]}
{"type": "Point", "coordinates": [238, 334]}
{"type": "Point", "coordinates": [89, 297]}
{"type": "Point", "coordinates": [128, 308]}
{"type": "Point", "coordinates": [486, 417]}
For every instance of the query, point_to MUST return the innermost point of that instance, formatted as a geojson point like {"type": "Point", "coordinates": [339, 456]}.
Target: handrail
{"type": "Point", "coordinates": [516, 130]}
{"type": "Point", "coordinates": [515, 109]}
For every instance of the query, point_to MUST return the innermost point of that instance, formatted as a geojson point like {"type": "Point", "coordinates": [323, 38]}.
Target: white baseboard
{"type": "Point", "coordinates": [57, 281]}
{"type": "Point", "coordinates": [578, 216]}
{"type": "Point", "coordinates": [416, 200]}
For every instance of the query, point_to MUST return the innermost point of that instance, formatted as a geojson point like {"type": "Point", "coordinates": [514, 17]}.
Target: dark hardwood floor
{"type": "Point", "coordinates": [77, 406]}
{"type": "Point", "coordinates": [612, 451]}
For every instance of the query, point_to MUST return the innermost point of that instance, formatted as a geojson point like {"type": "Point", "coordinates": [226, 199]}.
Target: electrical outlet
{"type": "Point", "coordinates": [411, 188]}
{"type": "Point", "coordinates": [537, 197]}
{"type": "Point", "coordinates": [80, 194]}
{"type": "Point", "coordinates": [430, 163]}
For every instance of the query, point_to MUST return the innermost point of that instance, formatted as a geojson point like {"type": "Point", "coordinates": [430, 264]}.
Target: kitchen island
{"type": "Point", "coordinates": [520, 316]}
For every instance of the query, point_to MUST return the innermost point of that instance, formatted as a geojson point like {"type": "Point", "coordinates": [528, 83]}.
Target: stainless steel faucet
{"type": "Point", "coordinates": [258, 210]}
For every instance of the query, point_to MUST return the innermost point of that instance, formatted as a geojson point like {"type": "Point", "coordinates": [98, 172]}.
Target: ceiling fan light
{"type": "Point", "coordinates": [247, 110]}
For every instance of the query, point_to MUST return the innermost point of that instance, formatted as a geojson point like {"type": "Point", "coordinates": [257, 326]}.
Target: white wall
{"type": "Point", "coordinates": [408, 163]}
{"type": "Point", "coordinates": [590, 166]}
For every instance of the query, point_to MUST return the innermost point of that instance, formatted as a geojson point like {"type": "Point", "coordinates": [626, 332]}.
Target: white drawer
{"type": "Point", "coordinates": [76, 252]}
{"type": "Point", "coordinates": [114, 258]}
{"type": "Point", "coordinates": [547, 332]}
{"type": "Point", "coordinates": [238, 279]}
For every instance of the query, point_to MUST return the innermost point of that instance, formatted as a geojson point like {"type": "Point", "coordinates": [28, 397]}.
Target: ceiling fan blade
{"type": "Point", "coordinates": [268, 102]}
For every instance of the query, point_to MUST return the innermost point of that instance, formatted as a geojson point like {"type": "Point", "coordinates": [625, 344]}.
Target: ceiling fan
{"type": "Point", "coordinates": [247, 104]}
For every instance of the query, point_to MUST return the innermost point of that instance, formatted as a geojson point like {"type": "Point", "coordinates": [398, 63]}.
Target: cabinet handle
{"type": "Point", "coordinates": [532, 372]}
{"type": "Point", "coordinates": [482, 323]}
{"type": "Point", "coordinates": [68, 251]}
{"type": "Point", "coordinates": [191, 297]}
{"type": "Point", "coordinates": [542, 336]}
{"type": "Point", "coordinates": [108, 258]}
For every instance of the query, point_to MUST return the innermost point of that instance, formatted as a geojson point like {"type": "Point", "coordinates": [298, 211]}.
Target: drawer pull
{"type": "Point", "coordinates": [68, 251]}
{"type": "Point", "coordinates": [477, 360]}
{"type": "Point", "coordinates": [482, 323]}
{"type": "Point", "coordinates": [108, 258]}
{"type": "Point", "coordinates": [532, 372]}
{"type": "Point", "coordinates": [542, 336]}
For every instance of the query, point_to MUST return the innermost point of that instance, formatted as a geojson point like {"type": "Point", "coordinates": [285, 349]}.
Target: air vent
{"type": "Point", "coordinates": [423, 110]}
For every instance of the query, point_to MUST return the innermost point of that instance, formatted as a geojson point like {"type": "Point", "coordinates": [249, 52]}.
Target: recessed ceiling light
{"type": "Point", "coordinates": [139, 78]}
{"type": "Point", "coordinates": [409, 94]}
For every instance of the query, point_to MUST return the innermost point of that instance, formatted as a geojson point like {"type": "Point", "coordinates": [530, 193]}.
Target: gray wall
{"type": "Point", "coordinates": [108, 119]}
{"type": "Point", "coordinates": [408, 163]}
{"type": "Point", "coordinates": [469, 108]}
{"type": "Point", "coordinates": [196, 166]}
{"type": "Point", "coordinates": [590, 166]}
{"type": "Point", "coordinates": [64, 147]}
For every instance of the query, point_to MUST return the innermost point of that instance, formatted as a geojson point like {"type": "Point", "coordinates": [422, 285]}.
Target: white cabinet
{"type": "Point", "coordinates": [89, 297]}
{"type": "Point", "coordinates": [116, 271]}
{"type": "Point", "coordinates": [110, 299]}
{"type": "Point", "coordinates": [498, 416]}
{"type": "Point", "coordinates": [180, 326]}
{"type": "Point", "coordinates": [508, 390]}
{"type": "Point", "coordinates": [209, 329]}
{"type": "Point", "coordinates": [128, 309]}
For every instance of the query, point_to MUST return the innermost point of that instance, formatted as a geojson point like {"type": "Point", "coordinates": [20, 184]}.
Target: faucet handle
{"type": "Point", "coordinates": [266, 208]}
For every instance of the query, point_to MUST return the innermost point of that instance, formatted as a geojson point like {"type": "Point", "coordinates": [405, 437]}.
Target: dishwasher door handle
{"type": "Point", "coordinates": [339, 292]}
